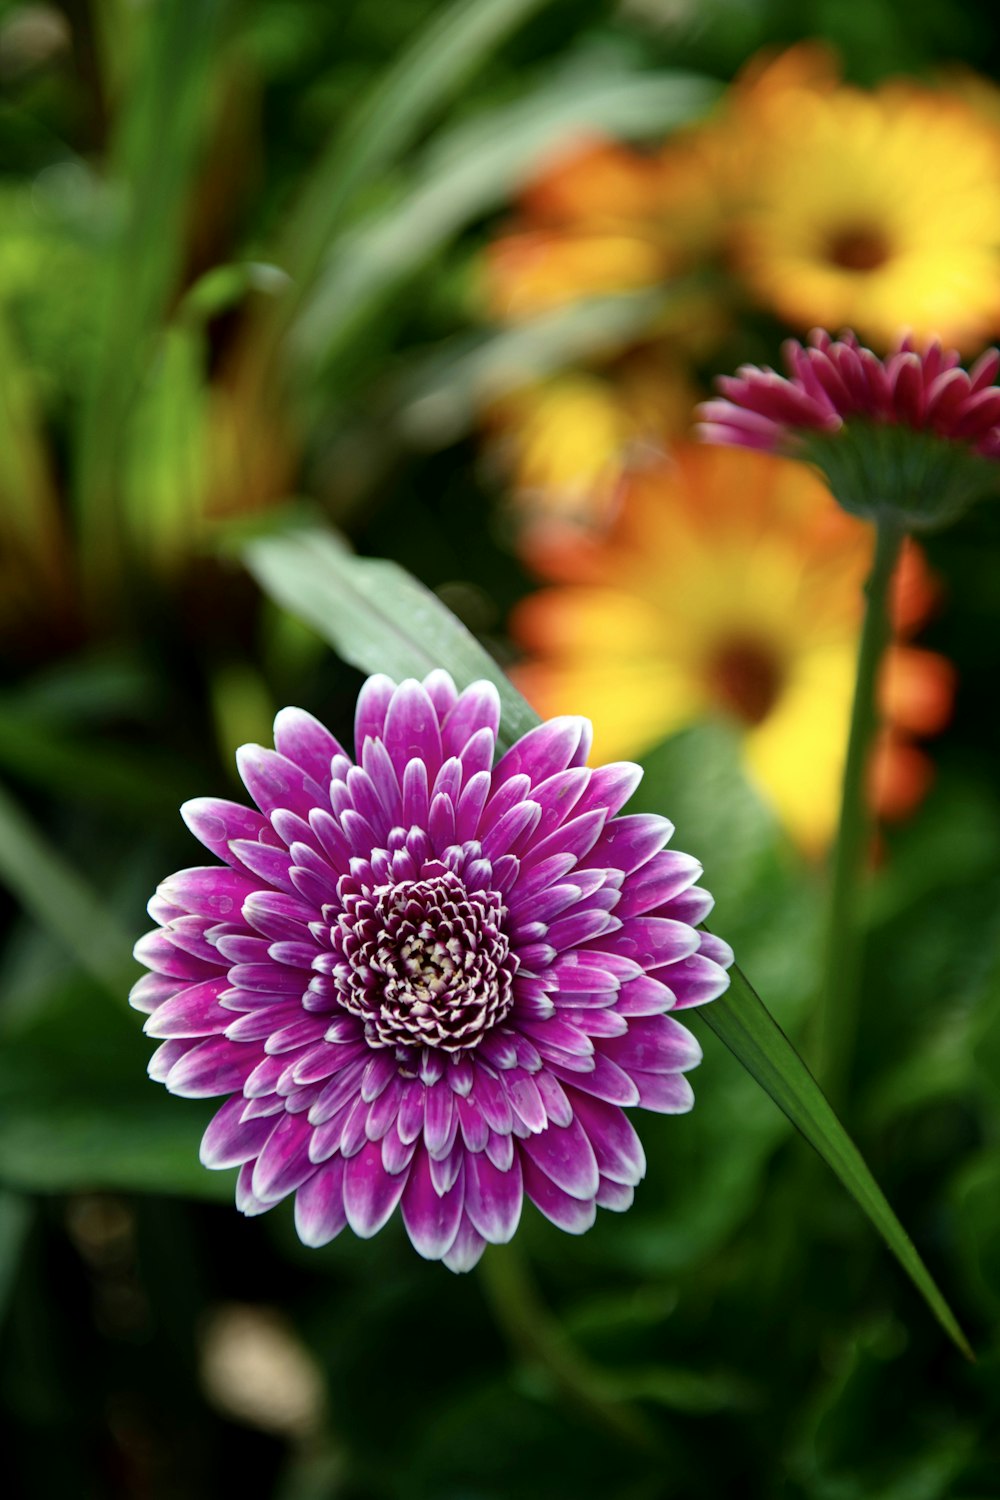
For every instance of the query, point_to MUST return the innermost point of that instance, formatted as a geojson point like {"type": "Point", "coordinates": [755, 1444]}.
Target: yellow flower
{"type": "Point", "coordinates": [876, 210]}
{"type": "Point", "coordinates": [729, 585]}
{"type": "Point", "coordinates": [601, 218]}
{"type": "Point", "coordinates": [565, 442]}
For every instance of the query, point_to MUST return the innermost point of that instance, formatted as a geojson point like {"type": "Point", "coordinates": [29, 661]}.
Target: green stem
{"type": "Point", "coordinates": [844, 940]}
{"type": "Point", "coordinates": [534, 1334]}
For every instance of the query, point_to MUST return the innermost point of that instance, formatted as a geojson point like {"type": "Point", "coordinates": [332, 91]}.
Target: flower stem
{"type": "Point", "coordinates": [844, 939]}
{"type": "Point", "coordinates": [532, 1331]}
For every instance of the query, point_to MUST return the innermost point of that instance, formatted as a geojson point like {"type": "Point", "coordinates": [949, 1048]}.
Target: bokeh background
{"type": "Point", "coordinates": [450, 279]}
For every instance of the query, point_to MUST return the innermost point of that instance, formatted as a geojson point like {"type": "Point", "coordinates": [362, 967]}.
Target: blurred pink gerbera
{"type": "Point", "coordinates": [908, 433]}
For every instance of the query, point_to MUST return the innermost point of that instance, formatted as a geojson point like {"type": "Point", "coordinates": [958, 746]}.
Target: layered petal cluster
{"type": "Point", "coordinates": [913, 438]}
{"type": "Point", "coordinates": [730, 586]}
{"type": "Point", "coordinates": [832, 382]}
{"type": "Point", "coordinates": [426, 980]}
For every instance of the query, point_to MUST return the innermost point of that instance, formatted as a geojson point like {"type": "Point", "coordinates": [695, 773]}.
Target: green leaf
{"type": "Point", "coordinates": [77, 1111]}
{"type": "Point", "coordinates": [442, 55]}
{"type": "Point", "coordinates": [15, 1221]}
{"type": "Point", "coordinates": [59, 899]}
{"type": "Point", "coordinates": [376, 615]}
{"type": "Point", "coordinates": [742, 1021]}
{"type": "Point", "coordinates": [442, 396]}
{"type": "Point", "coordinates": [471, 170]}
{"type": "Point", "coordinates": [153, 170]}
{"type": "Point", "coordinates": [381, 619]}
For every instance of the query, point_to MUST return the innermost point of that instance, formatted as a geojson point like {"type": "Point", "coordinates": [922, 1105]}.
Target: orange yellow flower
{"type": "Point", "coordinates": [566, 442]}
{"type": "Point", "coordinates": [729, 585]}
{"type": "Point", "coordinates": [879, 210]}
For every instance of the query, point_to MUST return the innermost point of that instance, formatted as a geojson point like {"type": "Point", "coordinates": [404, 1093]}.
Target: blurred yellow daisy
{"type": "Point", "coordinates": [563, 444]}
{"type": "Point", "coordinates": [729, 585]}
{"type": "Point", "coordinates": [876, 210]}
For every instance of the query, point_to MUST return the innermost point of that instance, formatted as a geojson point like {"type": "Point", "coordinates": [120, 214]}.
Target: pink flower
{"type": "Point", "coordinates": [913, 436]}
{"type": "Point", "coordinates": [832, 381]}
{"type": "Point", "coordinates": [425, 980]}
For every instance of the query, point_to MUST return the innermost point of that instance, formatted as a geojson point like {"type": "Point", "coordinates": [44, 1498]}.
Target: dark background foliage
{"type": "Point", "coordinates": [740, 1331]}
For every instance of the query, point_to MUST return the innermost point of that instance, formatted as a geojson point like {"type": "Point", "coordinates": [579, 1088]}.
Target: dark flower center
{"type": "Point", "coordinates": [424, 963]}
{"type": "Point", "coordinates": [858, 247]}
{"type": "Point", "coordinates": [745, 678]}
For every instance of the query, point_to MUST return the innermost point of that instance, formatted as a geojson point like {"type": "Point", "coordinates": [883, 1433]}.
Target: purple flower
{"type": "Point", "coordinates": [830, 382]}
{"type": "Point", "coordinates": [912, 439]}
{"type": "Point", "coordinates": [427, 980]}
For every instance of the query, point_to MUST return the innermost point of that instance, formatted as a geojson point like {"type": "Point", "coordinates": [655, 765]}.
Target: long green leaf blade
{"type": "Point", "coordinates": [59, 899]}
{"type": "Point", "coordinates": [376, 615]}
{"type": "Point", "coordinates": [442, 55]}
{"type": "Point", "coordinates": [741, 1020]}
{"type": "Point", "coordinates": [381, 619]}
{"type": "Point", "coordinates": [471, 170]}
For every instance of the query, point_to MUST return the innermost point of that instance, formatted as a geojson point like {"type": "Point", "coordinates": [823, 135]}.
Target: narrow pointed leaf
{"type": "Point", "coordinates": [59, 899]}
{"type": "Point", "coordinates": [741, 1020]}
{"type": "Point", "coordinates": [473, 168]}
{"type": "Point", "coordinates": [376, 615]}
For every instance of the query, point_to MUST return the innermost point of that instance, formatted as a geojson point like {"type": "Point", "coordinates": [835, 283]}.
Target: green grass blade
{"type": "Point", "coordinates": [470, 170]}
{"type": "Point", "coordinates": [444, 53]}
{"type": "Point", "coordinates": [59, 899]}
{"type": "Point", "coordinates": [31, 528]}
{"type": "Point", "coordinates": [154, 167]}
{"type": "Point", "coordinates": [376, 615]}
{"type": "Point", "coordinates": [444, 395]}
{"type": "Point", "coordinates": [743, 1023]}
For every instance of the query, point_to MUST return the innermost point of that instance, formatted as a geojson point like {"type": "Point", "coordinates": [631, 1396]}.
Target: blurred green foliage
{"type": "Point", "coordinates": [234, 249]}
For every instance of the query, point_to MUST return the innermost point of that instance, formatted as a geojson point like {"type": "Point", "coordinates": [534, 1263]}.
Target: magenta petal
{"type": "Point", "coordinates": [230, 1140]}
{"type": "Point", "coordinates": [370, 1192]}
{"type": "Point", "coordinates": [542, 751]}
{"type": "Point", "coordinates": [695, 980]}
{"type": "Point", "coordinates": [195, 1012]}
{"type": "Point", "coordinates": [216, 1066]}
{"type": "Point", "coordinates": [209, 890]}
{"type": "Point", "coordinates": [306, 742]}
{"type": "Point", "coordinates": [665, 1093]}
{"type": "Point", "coordinates": [373, 704]}
{"type": "Point", "coordinates": [565, 1155]}
{"type": "Point", "coordinates": [652, 941]}
{"type": "Point", "coordinates": [441, 690]}
{"type": "Point", "coordinates": [605, 1081]}
{"type": "Point", "coordinates": [216, 823]}
{"type": "Point", "coordinates": [627, 843]}
{"type": "Point", "coordinates": [618, 1196]}
{"type": "Point", "coordinates": [616, 1145]}
{"type": "Point", "coordinates": [475, 714]}
{"type": "Point", "coordinates": [574, 1215]}
{"type": "Point", "coordinates": [284, 1163]}
{"type": "Point", "coordinates": [610, 787]}
{"type": "Point", "coordinates": [153, 990]}
{"type": "Point", "coordinates": [319, 1204]}
{"type": "Point", "coordinates": [156, 951]}
{"type": "Point", "coordinates": [466, 1248]}
{"type": "Point", "coordinates": [432, 1219]}
{"type": "Point", "coordinates": [654, 1044]}
{"type": "Point", "coordinates": [411, 730]}
{"type": "Point", "coordinates": [493, 1198]}
{"type": "Point", "coordinates": [660, 879]}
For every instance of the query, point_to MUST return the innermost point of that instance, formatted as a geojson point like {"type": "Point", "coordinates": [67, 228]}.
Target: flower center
{"type": "Point", "coordinates": [745, 678]}
{"type": "Point", "coordinates": [424, 963]}
{"type": "Point", "coordinates": [858, 247]}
